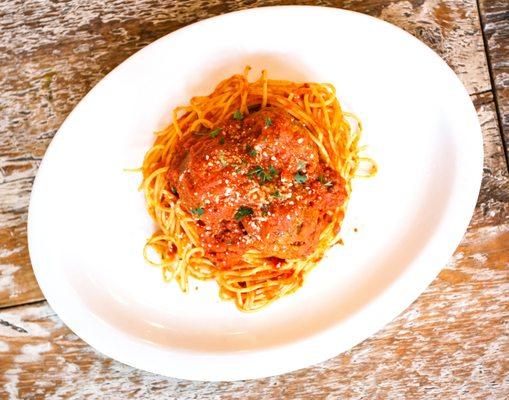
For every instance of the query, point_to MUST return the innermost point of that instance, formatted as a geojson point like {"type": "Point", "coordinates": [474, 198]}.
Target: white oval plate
{"type": "Point", "coordinates": [88, 224]}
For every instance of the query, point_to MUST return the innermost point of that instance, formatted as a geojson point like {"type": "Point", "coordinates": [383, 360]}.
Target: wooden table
{"type": "Point", "coordinates": [451, 343]}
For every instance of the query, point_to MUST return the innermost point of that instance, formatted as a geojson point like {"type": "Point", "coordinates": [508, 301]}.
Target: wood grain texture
{"type": "Point", "coordinates": [495, 21]}
{"type": "Point", "coordinates": [451, 343]}
{"type": "Point", "coordinates": [493, 203]}
{"type": "Point", "coordinates": [53, 52]}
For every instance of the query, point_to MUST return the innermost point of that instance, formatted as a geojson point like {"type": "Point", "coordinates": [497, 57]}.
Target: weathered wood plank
{"type": "Point", "coordinates": [451, 343]}
{"type": "Point", "coordinates": [17, 280]}
{"type": "Point", "coordinates": [52, 53]}
{"type": "Point", "coordinates": [495, 21]}
{"type": "Point", "coordinates": [493, 203]}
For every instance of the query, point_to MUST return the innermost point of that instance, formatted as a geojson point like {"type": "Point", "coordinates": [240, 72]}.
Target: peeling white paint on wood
{"type": "Point", "coordinates": [9, 252]}
{"type": "Point", "coordinates": [31, 353]}
{"type": "Point", "coordinates": [7, 282]}
{"type": "Point", "coordinates": [11, 383]}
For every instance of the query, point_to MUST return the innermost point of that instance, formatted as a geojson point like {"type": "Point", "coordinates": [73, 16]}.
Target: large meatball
{"type": "Point", "coordinates": [256, 183]}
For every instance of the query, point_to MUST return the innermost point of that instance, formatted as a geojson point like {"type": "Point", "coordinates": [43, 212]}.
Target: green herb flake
{"type": "Point", "coordinates": [301, 165]}
{"type": "Point", "coordinates": [174, 190]}
{"type": "Point", "coordinates": [268, 122]}
{"type": "Point", "coordinates": [325, 182]}
{"type": "Point", "coordinates": [250, 150]}
{"type": "Point", "coordinates": [215, 132]}
{"type": "Point", "coordinates": [197, 211]}
{"type": "Point", "coordinates": [300, 178]}
{"type": "Point", "coordinates": [261, 174]}
{"type": "Point", "coordinates": [272, 170]}
{"type": "Point", "coordinates": [276, 194]}
{"type": "Point", "coordinates": [221, 140]}
{"type": "Point", "coordinates": [238, 115]}
{"type": "Point", "coordinates": [242, 212]}
{"type": "Point", "coordinates": [255, 171]}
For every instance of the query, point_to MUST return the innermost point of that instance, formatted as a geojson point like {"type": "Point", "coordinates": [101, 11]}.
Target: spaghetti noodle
{"type": "Point", "coordinates": [259, 235]}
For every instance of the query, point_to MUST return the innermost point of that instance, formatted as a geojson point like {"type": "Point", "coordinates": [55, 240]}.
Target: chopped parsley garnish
{"type": "Point", "coordinates": [262, 175]}
{"type": "Point", "coordinates": [300, 177]}
{"type": "Point", "coordinates": [255, 171]}
{"type": "Point", "coordinates": [238, 115]}
{"type": "Point", "coordinates": [268, 122]}
{"type": "Point", "coordinates": [325, 182]}
{"type": "Point", "coordinates": [251, 150]}
{"type": "Point", "coordinates": [215, 132]}
{"type": "Point", "coordinates": [242, 212]}
{"type": "Point", "coordinates": [197, 211]}
{"type": "Point", "coordinates": [276, 194]}
{"type": "Point", "coordinates": [174, 190]}
{"type": "Point", "coordinates": [221, 140]}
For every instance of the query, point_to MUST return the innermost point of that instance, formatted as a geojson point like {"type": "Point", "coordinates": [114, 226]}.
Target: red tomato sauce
{"type": "Point", "coordinates": [256, 183]}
